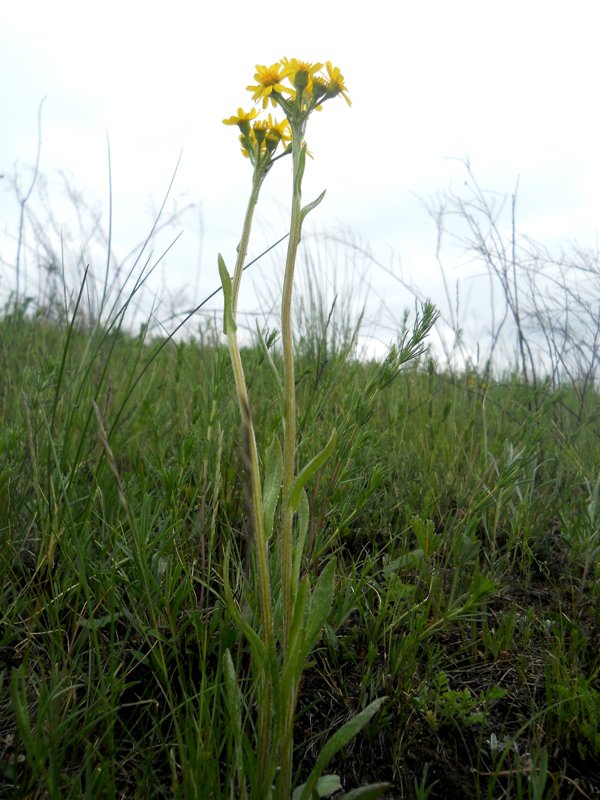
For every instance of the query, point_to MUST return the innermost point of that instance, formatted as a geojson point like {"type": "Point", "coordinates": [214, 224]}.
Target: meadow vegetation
{"type": "Point", "coordinates": [448, 565]}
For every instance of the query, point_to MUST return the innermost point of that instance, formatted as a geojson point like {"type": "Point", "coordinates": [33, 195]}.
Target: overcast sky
{"type": "Point", "coordinates": [513, 86]}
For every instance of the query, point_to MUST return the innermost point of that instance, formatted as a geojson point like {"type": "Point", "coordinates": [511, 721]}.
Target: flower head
{"type": "Point", "coordinates": [242, 120]}
{"type": "Point", "coordinates": [260, 140]}
{"type": "Point", "coordinates": [268, 133]}
{"type": "Point", "coordinates": [277, 132]}
{"type": "Point", "coordinates": [269, 80]}
{"type": "Point", "coordinates": [242, 116]}
{"type": "Point", "coordinates": [300, 73]}
{"type": "Point", "coordinates": [281, 130]}
{"type": "Point", "coordinates": [336, 84]}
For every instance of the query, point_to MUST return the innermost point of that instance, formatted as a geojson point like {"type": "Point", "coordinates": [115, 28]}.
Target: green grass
{"type": "Point", "coordinates": [464, 519]}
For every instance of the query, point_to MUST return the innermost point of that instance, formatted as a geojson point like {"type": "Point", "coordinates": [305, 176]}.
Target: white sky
{"type": "Point", "coordinates": [512, 85]}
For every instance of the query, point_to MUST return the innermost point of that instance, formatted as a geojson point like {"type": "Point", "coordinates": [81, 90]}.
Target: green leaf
{"type": "Point", "coordinates": [321, 603]}
{"type": "Point", "coordinates": [370, 792]}
{"type": "Point", "coordinates": [295, 651]}
{"type": "Point", "coordinates": [228, 320]}
{"type": "Point", "coordinates": [274, 372]}
{"type": "Point", "coordinates": [299, 172]}
{"type": "Point", "coordinates": [307, 625]}
{"type": "Point", "coordinates": [309, 470]}
{"type": "Point", "coordinates": [233, 696]}
{"type": "Point", "coordinates": [257, 646]}
{"type": "Point", "coordinates": [272, 484]}
{"type": "Point", "coordinates": [301, 533]}
{"type": "Point", "coordinates": [94, 623]}
{"type": "Point", "coordinates": [309, 207]}
{"type": "Point", "coordinates": [339, 739]}
{"type": "Point", "coordinates": [20, 711]}
{"type": "Point", "coordinates": [233, 703]}
{"type": "Point", "coordinates": [326, 786]}
{"type": "Point", "coordinates": [481, 587]}
{"type": "Point", "coordinates": [302, 601]}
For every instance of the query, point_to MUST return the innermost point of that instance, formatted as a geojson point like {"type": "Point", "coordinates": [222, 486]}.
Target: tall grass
{"type": "Point", "coordinates": [464, 525]}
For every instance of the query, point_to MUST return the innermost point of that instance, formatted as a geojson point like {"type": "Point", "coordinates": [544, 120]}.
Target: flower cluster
{"type": "Point", "coordinates": [298, 88]}
{"type": "Point", "coordinates": [260, 139]}
{"type": "Point", "coordinates": [309, 85]}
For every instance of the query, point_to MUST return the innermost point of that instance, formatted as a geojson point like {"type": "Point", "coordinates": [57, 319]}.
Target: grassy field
{"type": "Point", "coordinates": [462, 514]}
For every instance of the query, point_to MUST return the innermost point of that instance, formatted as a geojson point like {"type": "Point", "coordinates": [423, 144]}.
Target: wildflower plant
{"type": "Point", "coordinates": [291, 613]}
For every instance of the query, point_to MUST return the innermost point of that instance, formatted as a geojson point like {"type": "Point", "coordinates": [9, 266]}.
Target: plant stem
{"type": "Point", "coordinates": [250, 456]}
{"type": "Point", "coordinates": [289, 438]}
{"type": "Point", "coordinates": [242, 248]}
{"type": "Point", "coordinates": [288, 704]}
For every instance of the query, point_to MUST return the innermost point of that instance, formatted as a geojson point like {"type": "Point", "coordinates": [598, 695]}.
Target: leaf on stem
{"type": "Point", "coordinates": [311, 610]}
{"type": "Point", "coordinates": [339, 739]}
{"type": "Point", "coordinates": [295, 654]}
{"type": "Point", "coordinates": [309, 206]}
{"type": "Point", "coordinates": [309, 470]}
{"type": "Point", "coordinates": [272, 484]}
{"type": "Point", "coordinates": [264, 346]}
{"type": "Point", "coordinates": [228, 320]}
{"type": "Point", "coordinates": [233, 696]}
{"type": "Point", "coordinates": [303, 520]}
{"type": "Point", "coordinates": [257, 646]}
{"type": "Point", "coordinates": [321, 603]}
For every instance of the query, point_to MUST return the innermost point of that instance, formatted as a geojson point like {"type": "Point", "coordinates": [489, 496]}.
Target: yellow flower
{"type": "Point", "coordinates": [267, 133]}
{"type": "Point", "coordinates": [336, 84]}
{"type": "Point", "coordinates": [268, 80]}
{"type": "Point", "coordinates": [263, 137]}
{"type": "Point", "coordinates": [242, 116]}
{"type": "Point", "coordinates": [300, 73]}
{"type": "Point", "coordinates": [242, 120]}
{"type": "Point", "coordinates": [280, 130]}
{"type": "Point", "coordinates": [277, 132]}
{"type": "Point", "coordinates": [320, 90]}
{"type": "Point", "coordinates": [259, 129]}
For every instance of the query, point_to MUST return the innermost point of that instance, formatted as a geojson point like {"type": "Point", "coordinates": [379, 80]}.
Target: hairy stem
{"type": "Point", "coordinates": [289, 439]}
{"type": "Point", "coordinates": [242, 248]}
{"type": "Point", "coordinates": [289, 456]}
{"type": "Point", "coordinates": [251, 463]}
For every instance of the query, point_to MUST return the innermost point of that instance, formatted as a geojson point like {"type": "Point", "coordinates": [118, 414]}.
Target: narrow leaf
{"type": "Point", "coordinates": [228, 320]}
{"type": "Point", "coordinates": [19, 707]}
{"type": "Point", "coordinates": [295, 652]}
{"type": "Point", "coordinates": [309, 470]}
{"type": "Point", "coordinates": [257, 645]}
{"type": "Point", "coordinates": [299, 541]}
{"type": "Point", "coordinates": [233, 696]}
{"type": "Point", "coordinates": [233, 702]}
{"type": "Point", "coordinates": [339, 739]}
{"type": "Point", "coordinates": [298, 622]}
{"type": "Point", "coordinates": [318, 603]}
{"type": "Point", "coordinates": [309, 207]}
{"type": "Point", "coordinates": [274, 372]}
{"type": "Point", "coordinates": [272, 485]}
{"type": "Point", "coordinates": [321, 603]}
{"type": "Point", "coordinates": [94, 623]}
{"type": "Point", "coordinates": [299, 172]}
